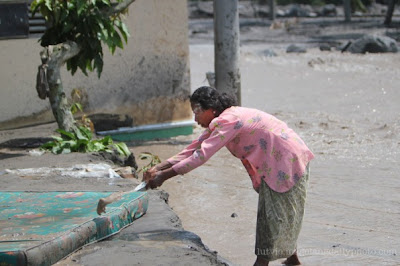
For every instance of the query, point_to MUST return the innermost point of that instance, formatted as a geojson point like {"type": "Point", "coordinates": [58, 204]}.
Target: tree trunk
{"type": "Point", "coordinates": [389, 12]}
{"type": "Point", "coordinates": [57, 55]}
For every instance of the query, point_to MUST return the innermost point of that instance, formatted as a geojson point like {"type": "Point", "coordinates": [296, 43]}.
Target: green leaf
{"type": "Point", "coordinates": [112, 48]}
{"type": "Point", "coordinates": [154, 159]}
{"type": "Point", "coordinates": [82, 145]}
{"type": "Point", "coordinates": [79, 135]}
{"type": "Point", "coordinates": [48, 5]}
{"type": "Point", "coordinates": [103, 31]}
{"type": "Point", "coordinates": [89, 65]}
{"type": "Point", "coordinates": [107, 140]}
{"type": "Point", "coordinates": [56, 138]}
{"type": "Point", "coordinates": [122, 149]}
{"type": "Point", "coordinates": [145, 156]}
{"type": "Point", "coordinates": [108, 150]}
{"type": "Point", "coordinates": [56, 149]}
{"type": "Point", "coordinates": [124, 31]}
{"type": "Point", "coordinates": [107, 2]}
{"type": "Point", "coordinates": [75, 107]}
{"type": "Point", "coordinates": [98, 146]}
{"type": "Point", "coordinates": [70, 5]}
{"type": "Point", "coordinates": [117, 40]}
{"type": "Point", "coordinates": [48, 145]}
{"type": "Point", "coordinates": [82, 64]}
{"type": "Point", "coordinates": [83, 133]}
{"type": "Point", "coordinates": [98, 64]}
{"type": "Point", "coordinates": [69, 145]}
{"type": "Point", "coordinates": [86, 131]}
{"type": "Point", "coordinates": [34, 6]}
{"type": "Point", "coordinates": [67, 134]}
{"type": "Point", "coordinates": [45, 12]}
{"type": "Point", "coordinates": [82, 7]}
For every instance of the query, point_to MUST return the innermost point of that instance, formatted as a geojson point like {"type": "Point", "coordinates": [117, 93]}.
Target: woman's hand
{"type": "Point", "coordinates": [149, 174]}
{"type": "Point", "coordinates": [155, 178]}
{"type": "Point", "coordinates": [157, 181]}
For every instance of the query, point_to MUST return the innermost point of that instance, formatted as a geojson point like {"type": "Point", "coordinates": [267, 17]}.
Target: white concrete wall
{"type": "Point", "coordinates": [149, 79]}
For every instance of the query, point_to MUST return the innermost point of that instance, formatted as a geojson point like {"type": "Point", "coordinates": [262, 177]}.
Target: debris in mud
{"type": "Point", "coordinates": [99, 170]}
{"type": "Point", "coordinates": [126, 172]}
{"type": "Point", "coordinates": [104, 122]}
{"type": "Point", "coordinates": [24, 143]}
{"type": "Point", "coordinates": [315, 61]}
{"type": "Point", "coordinates": [36, 152]}
{"type": "Point", "coordinates": [294, 48]}
{"type": "Point", "coordinates": [117, 159]}
{"type": "Point", "coordinates": [373, 44]}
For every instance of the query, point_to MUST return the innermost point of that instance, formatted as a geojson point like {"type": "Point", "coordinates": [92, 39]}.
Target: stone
{"type": "Point", "coordinates": [294, 48]}
{"type": "Point", "coordinates": [373, 44]}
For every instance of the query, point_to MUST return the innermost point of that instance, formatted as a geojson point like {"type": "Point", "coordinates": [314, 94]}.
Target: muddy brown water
{"type": "Point", "coordinates": [346, 109]}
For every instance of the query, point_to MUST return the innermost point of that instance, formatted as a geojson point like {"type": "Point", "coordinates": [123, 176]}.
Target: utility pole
{"type": "Point", "coordinates": [347, 10]}
{"type": "Point", "coordinates": [226, 47]}
{"type": "Point", "coordinates": [272, 9]}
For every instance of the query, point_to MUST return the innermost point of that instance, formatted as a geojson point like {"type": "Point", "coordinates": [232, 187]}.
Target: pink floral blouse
{"type": "Point", "coordinates": [267, 147]}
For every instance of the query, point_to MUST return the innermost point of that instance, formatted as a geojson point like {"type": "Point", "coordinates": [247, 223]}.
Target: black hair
{"type": "Point", "coordinates": [209, 97]}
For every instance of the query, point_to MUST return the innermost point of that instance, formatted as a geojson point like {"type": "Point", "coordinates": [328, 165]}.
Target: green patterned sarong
{"type": "Point", "coordinates": [279, 219]}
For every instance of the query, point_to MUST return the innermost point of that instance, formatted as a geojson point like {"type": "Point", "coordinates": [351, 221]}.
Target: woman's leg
{"type": "Point", "coordinates": [292, 260]}
{"type": "Point", "coordinates": [261, 262]}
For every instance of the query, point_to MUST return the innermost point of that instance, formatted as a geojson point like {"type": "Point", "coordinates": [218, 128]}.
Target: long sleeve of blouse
{"type": "Point", "coordinates": [219, 133]}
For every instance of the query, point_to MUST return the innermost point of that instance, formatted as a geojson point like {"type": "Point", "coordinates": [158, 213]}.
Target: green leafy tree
{"type": "Point", "coordinates": [74, 36]}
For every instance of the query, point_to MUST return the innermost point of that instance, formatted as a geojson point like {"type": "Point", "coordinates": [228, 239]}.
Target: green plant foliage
{"type": "Point", "coordinates": [86, 23]}
{"type": "Point", "coordinates": [76, 107]}
{"type": "Point", "coordinates": [154, 159]}
{"type": "Point", "coordinates": [122, 149]}
{"type": "Point", "coordinates": [81, 140]}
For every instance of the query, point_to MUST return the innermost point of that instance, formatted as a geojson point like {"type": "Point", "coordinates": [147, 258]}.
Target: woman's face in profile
{"type": "Point", "coordinates": [201, 116]}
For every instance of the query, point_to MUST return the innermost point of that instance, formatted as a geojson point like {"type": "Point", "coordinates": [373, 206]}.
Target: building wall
{"type": "Point", "coordinates": [149, 79]}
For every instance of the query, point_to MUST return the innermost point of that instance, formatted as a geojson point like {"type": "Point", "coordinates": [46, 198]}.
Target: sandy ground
{"type": "Point", "coordinates": [346, 108]}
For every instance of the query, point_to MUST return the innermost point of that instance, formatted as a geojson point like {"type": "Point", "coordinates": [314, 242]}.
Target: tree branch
{"type": "Point", "coordinates": [118, 7]}
{"type": "Point", "coordinates": [60, 53]}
